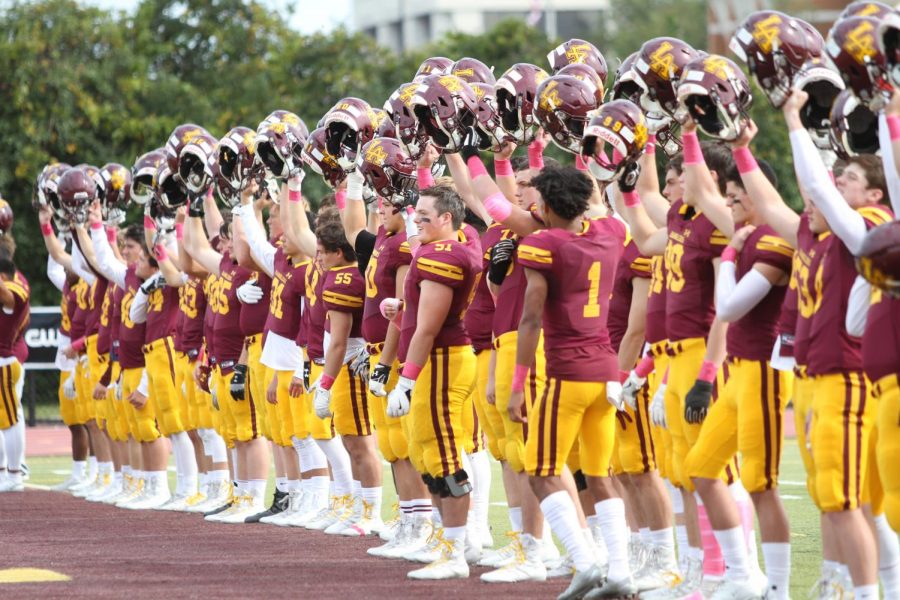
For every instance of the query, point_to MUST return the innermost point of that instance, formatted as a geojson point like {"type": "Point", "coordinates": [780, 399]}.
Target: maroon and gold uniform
{"type": "Point", "coordinates": [253, 320]}
{"type": "Point", "coordinates": [68, 304]}
{"type": "Point", "coordinates": [312, 328]}
{"type": "Point", "coordinates": [141, 422]}
{"type": "Point", "coordinates": [162, 315]}
{"type": "Point", "coordinates": [448, 377]}
{"type": "Point", "coordinates": [12, 323]}
{"type": "Point", "coordinates": [579, 269]}
{"type": "Point", "coordinates": [187, 341]}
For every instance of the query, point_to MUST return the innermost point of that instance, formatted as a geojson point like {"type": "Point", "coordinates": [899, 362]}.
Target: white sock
{"type": "Point", "coordinates": [161, 480]}
{"type": "Point", "coordinates": [406, 507]}
{"type": "Point", "coordinates": [339, 461]}
{"type": "Point", "coordinates": [422, 507]}
{"type": "Point", "coordinates": [451, 534]}
{"type": "Point", "coordinates": [92, 467]}
{"type": "Point", "coordinates": [436, 517]}
{"type": "Point", "coordinates": [560, 511]}
{"type": "Point", "coordinates": [481, 487]}
{"type": "Point", "coordinates": [662, 538]}
{"type": "Point", "coordinates": [734, 551]}
{"type": "Point", "coordinates": [681, 536]}
{"type": "Point", "coordinates": [309, 453]}
{"type": "Point", "coordinates": [185, 463]}
{"type": "Point", "coordinates": [372, 496]}
{"type": "Point", "coordinates": [213, 445]}
{"type": "Point", "coordinates": [256, 487]}
{"type": "Point", "coordinates": [867, 592]}
{"type": "Point", "coordinates": [234, 463]}
{"type": "Point", "coordinates": [778, 568]}
{"type": "Point", "coordinates": [14, 443]}
{"type": "Point", "coordinates": [79, 468]}
{"type": "Point", "coordinates": [319, 484]}
{"type": "Point", "coordinates": [281, 484]}
{"type": "Point", "coordinates": [676, 498]}
{"type": "Point", "coordinates": [19, 428]}
{"type": "Point", "coordinates": [222, 476]}
{"type": "Point", "coordinates": [515, 518]}
{"type": "Point", "coordinates": [644, 533]}
{"type": "Point", "coordinates": [356, 489]}
{"type": "Point", "coordinates": [611, 516]}
{"type": "Point", "coordinates": [106, 468]}
{"type": "Point", "coordinates": [888, 557]}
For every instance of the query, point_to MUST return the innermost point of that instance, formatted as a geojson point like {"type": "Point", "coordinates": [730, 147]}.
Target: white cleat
{"type": "Point", "coordinates": [218, 493]}
{"type": "Point", "coordinates": [730, 589]}
{"type": "Point", "coordinates": [367, 523]}
{"type": "Point", "coordinates": [450, 564]}
{"type": "Point", "coordinates": [153, 497]}
{"type": "Point", "coordinates": [582, 583]}
{"type": "Point", "coordinates": [564, 567]}
{"type": "Point", "coordinates": [237, 505]}
{"type": "Point", "coordinates": [311, 505]}
{"type": "Point", "coordinates": [295, 498]}
{"type": "Point", "coordinates": [501, 556]}
{"type": "Point", "coordinates": [400, 537]}
{"type": "Point", "coordinates": [176, 503]}
{"type": "Point", "coordinates": [99, 484]}
{"type": "Point", "coordinates": [690, 583]}
{"type": "Point", "coordinates": [429, 551]}
{"type": "Point", "coordinates": [135, 493]}
{"type": "Point", "coordinates": [85, 483]}
{"type": "Point", "coordinates": [329, 515]}
{"type": "Point", "coordinates": [391, 528]}
{"type": "Point", "coordinates": [11, 485]}
{"type": "Point", "coordinates": [113, 489]}
{"type": "Point", "coordinates": [620, 588]}
{"type": "Point", "coordinates": [68, 484]}
{"type": "Point", "coordinates": [525, 566]}
{"type": "Point", "coordinates": [352, 512]}
{"type": "Point", "coordinates": [414, 537]}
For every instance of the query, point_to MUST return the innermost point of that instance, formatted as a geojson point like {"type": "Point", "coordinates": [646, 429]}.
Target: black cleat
{"type": "Point", "coordinates": [279, 504]}
{"type": "Point", "coordinates": [216, 511]}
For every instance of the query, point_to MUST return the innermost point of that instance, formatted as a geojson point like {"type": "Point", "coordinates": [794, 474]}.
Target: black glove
{"type": "Point", "coordinates": [501, 257]}
{"type": "Point", "coordinates": [696, 403]}
{"type": "Point", "coordinates": [195, 205]}
{"type": "Point", "coordinates": [471, 144]}
{"type": "Point", "coordinates": [307, 369]}
{"type": "Point", "coordinates": [239, 382]}
{"type": "Point", "coordinates": [628, 178]}
{"type": "Point", "coordinates": [380, 374]}
{"type": "Point", "coordinates": [153, 283]}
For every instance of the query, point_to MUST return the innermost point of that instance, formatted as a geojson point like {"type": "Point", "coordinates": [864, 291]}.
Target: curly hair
{"type": "Point", "coordinates": [565, 190]}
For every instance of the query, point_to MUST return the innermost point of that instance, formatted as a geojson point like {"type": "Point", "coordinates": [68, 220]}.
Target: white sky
{"type": "Point", "coordinates": [307, 16]}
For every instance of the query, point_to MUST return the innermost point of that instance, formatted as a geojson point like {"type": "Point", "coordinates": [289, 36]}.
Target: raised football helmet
{"type": "Point", "coordinates": [625, 86]}
{"type": "Point", "coordinates": [852, 49]}
{"type": "Point", "coordinates": [854, 127]}
{"type": "Point", "coordinates": [621, 125]}
{"type": "Point", "coordinates": [879, 259]}
{"type": "Point", "coordinates": [76, 189]}
{"type": "Point", "coordinates": [163, 216]}
{"type": "Point", "coordinates": [407, 127]}
{"type": "Point", "coordinates": [445, 106]}
{"type": "Point", "coordinates": [585, 73]}
{"type": "Point", "coordinates": [279, 143]}
{"type": "Point", "coordinates": [194, 169]}
{"type": "Point", "coordinates": [436, 65]}
{"type": "Point", "coordinates": [889, 43]}
{"type": "Point", "coordinates": [6, 217]}
{"type": "Point", "coordinates": [577, 51]}
{"type": "Point", "coordinates": [181, 137]}
{"type": "Point", "coordinates": [564, 107]}
{"type": "Point", "coordinates": [487, 119]}
{"type": "Point", "coordinates": [45, 187]}
{"type": "Point", "coordinates": [142, 174]}
{"type": "Point", "coordinates": [167, 189]}
{"type": "Point", "coordinates": [861, 8]}
{"type": "Point", "coordinates": [822, 85]}
{"type": "Point", "coordinates": [516, 92]}
{"type": "Point", "coordinates": [387, 169]}
{"type": "Point", "coordinates": [94, 173]}
{"type": "Point", "coordinates": [236, 157]}
{"type": "Point", "coordinates": [658, 69]}
{"type": "Point", "coordinates": [317, 156]}
{"type": "Point", "coordinates": [116, 192]}
{"type": "Point", "coordinates": [348, 127]}
{"type": "Point", "coordinates": [472, 70]}
{"type": "Point", "coordinates": [717, 95]}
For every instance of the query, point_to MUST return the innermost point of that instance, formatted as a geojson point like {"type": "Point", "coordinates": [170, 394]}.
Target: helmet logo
{"type": "Point", "coordinates": [463, 72]}
{"type": "Point", "coordinates": [190, 135]}
{"type": "Point", "coordinates": [479, 92]}
{"type": "Point", "coordinates": [577, 53]}
{"type": "Point", "coordinates": [860, 44]}
{"type": "Point", "coordinates": [662, 62]}
{"type": "Point", "coordinates": [117, 180]}
{"type": "Point", "coordinates": [290, 119]}
{"type": "Point", "coordinates": [375, 154]}
{"type": "Point", "coordinates": [550, 97]}
{"type": "Point", "coordinates": [870, 10]}
{"type": "Point", "coordinates": [766, 32]}
{"type": "Point", "coordinates": [407, 93]}
{"type": "Point", "coordinates": [278, 128]}
{"type": "Point", "coordinates": [718, 66]}
{"type": "Point", "coordinates": [451, 82]}
{"type": "Point", "coordinates": [250, 142]}
{"type": "Point", "coordinates": [640, 133]}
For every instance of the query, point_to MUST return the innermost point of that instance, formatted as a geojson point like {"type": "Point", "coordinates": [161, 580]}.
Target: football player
{"type": "Point", "coordinates": [15, 300]}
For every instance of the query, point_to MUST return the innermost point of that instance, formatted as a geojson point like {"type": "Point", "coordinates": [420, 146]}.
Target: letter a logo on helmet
{"type": "Point", "coordinates": [765, 32]}
{"type": "Point", "coordinates": [861, 42]}
{"type": "Point", "coordinates": [662, 62]}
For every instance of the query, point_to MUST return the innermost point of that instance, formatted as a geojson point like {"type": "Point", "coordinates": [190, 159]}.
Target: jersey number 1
{"type": "Point", "coordinates": [592, 308]}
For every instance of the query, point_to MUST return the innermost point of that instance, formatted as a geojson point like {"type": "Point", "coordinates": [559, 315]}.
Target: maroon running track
{"type": "Point", "coordinates": [116, 553]}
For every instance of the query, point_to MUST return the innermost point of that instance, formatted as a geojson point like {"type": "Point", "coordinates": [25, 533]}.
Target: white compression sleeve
{"type": "Point", "coordinates": [734, 299]}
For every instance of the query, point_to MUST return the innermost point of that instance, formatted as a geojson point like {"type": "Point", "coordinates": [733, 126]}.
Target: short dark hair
{"type": "Point", "coordinates": [874, 169]}
{"type": "Point", "coordinates": [676, 163]}
{"type": "Point", "coordinates": [446, 200]}
{"type": "Point", "coordinates": [7, 267]}
{"type": "Point", "coordinates": [225, 227]}
{"type": "Point", "coordinates": [328, 213]}
{"type": "Point", "coordinates": [332, 237]}
{"type": "Point", "coordinates": [135, 233]}
{"type": "Point", "coordinates": [521, 163]}
{"type": "Point", "coordinates": [475, 221]}
{"type": "Point", "coordinates": [565, 190]}
{"type": "Point", "coordinates": [7, 246]}
{"type": "Point", "coordinates": [718, 159]}
{"type": "Point", "coordinates": [734, 175]}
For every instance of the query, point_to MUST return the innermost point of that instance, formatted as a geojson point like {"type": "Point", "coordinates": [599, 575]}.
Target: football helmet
{"type": "Point", "coordinates": [94, 173]}
{"type": "Point", "coordinates": [445, 106]}
{"type": "Point", "coordinates": [775, 46]}
{"type": "Point", "coordinates": [577, 51]}
{"type": "Point", "coordinates": [822, 85]}
{"type": "Point", "coordinates": [236, 158]}
{"type": "Point", "coordinates": [382, 124]}
{"type": "Point", "coordinates": [472, 70]}
{"type": "Point", "coordinates": [860, 8]}
{"type": "Point", "coordinates": [142, 174]}
{"type": "Point", "coordinates": [855, 55]}
{"type": "Point", "coordinates": [717, 95]}
{"type": "Point", "coordinates": [116, 192]}
{"type": "Point", "coordinates": [76, 189]}
{"type": "Point", "coordinates": [194, 163]}
{"type": "Point", "coordinates": [585, 73]}
{"type": "Point", "coordinates": [45, 187]}
{"type": "Point", "coordinates": [889, 43]}
{"type": "Point", "coordinates": [279, 143]}
{"type": "Point", "coordinates": [180, 138]}
{"type": "Point", "coordinates": [487, 120]}
{"type": "Point", "coordinates": [6, 217]}
{"type": "Point", "coordinates": [516, 92]}
{"type": "Point", "coordinates": [387, 169]}
{"type": "Point", "coordinates": [436, 65]}
{"type": "Point", "coordinates": [349, 126]}
{"type": "Point", "coordinates": [622, 125]}
{"type": "Point", "coordinates": [407, 128]}
{"type": "Point", "coordinates": [563, 108]}
{"type": "Point", "coordinates": [658, 71]}
{"type": "Point", "coordinates": [625, 86]}
{"type": "Point", "coordinates": [879, 259]}
{"type": "Point", "coordinates": [854, 127]}
{"type": "Point", "coordinates": [316, 155]}
{"type": "Point", "coordinates": [167, 189]}
{"type": "Point", "coordinates": [163, 216]}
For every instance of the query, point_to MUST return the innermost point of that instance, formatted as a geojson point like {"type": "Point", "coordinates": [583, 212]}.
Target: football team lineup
{"type": "Point", "coordinates": [632, 372]}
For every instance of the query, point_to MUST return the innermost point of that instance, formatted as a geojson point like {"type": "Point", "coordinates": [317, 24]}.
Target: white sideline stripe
{"type": "Point", "coordinates": [791, 497]}
{"type": "Point", "coordinates": [788, 482]}
{"type": "Point", "coordinates": [61, 471]}
{"type": "Point", "coordinates": [36, 486]}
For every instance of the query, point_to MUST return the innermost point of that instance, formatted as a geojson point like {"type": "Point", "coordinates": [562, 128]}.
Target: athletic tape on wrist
{"type": "Point", "coordinates": [326, 381]}
{"type": "Point", "coordinates": [503, 168]}
{"type": "Point", "coordinates": [296, 196]}
{"type": "Point", "coordinates": [650, 148]}
{"type": "Point", "coordinates": [498, 206]}
{"type": "Point", "coordinates": [149, 223]}
{"type": "Point", "coordinates": [112, 234]}
{"type": "Point", "coordinates": [46, 229]}
{"type": "Point", "coordinates": [425, 177]}
{"type": "Point", "coordinates": [179, 231]}
{"type": "Point", "coordinates": [520, 374]}
{"type": "Point", "coordinates": [893, 122]}
{"type": "Point", "coordinates": [411, 370]}
{"type": "Point", "coordinates": [476, 167]}
{"type": "Point", "coordinates": [623, 375]}
{"type": "Point", "coordinates": [691, 151]}
{"type": "Point", "coordinates": [708, 371]}
{"type": "Point", "coordinates": [645, 367]}
{"type": "Point", "coordinates": [96, 225]}
{"type": "Point", "coordinates": [744, 160]}
{"type": "Point", "coordinates": [631, 198]}
{"type": "Point", "coordinates": [535, 156]}
{"type": "Point", "coordinates": [340, 199]}
{"type": "Point", "coordinates": [160, 252]}
{"type": "Point", "coordinates": [729, 254]}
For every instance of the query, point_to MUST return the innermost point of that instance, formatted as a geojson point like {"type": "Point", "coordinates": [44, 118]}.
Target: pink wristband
{"type": "Point", "coordinates": [160, 252]}
{"type": "Point", "coordinates": [411, 370]}
{"type": "Point", "coordinates": [46, 229]}
{"type": "Point", "coordinates": [650, 148]}
{"type": "Point", "coordinates": [179, 231]}
{"type": "Point", "coordinates": [503, 168]}
{"type": "Point", "coordinates": [645, 367]}
{"type": "Point", "coordinates": [79, 344]}
{"type": "Point", "coordinates": [631, 198]}
{"type": "Point", "coordinates": [111, 234]}
{"type": "Point", "coordinates": [744, 160]}
{"type": "Point", "coordinates": [623, 375]}
{"type": "Point", "coordinates": [425, 178]}
{"type": "Point", "coordinates": [708, 372]}
{"type": "Point", "coordinates": [893, 122]}
{"type": "Point", "coordinates": [519, 376]}
{"type": "Point", "coordinates": [297, 195]}
{"type": "Point", "coordinates": [476, 167]}
{"type": "Point", "coordinates": [729, 254]}
{"type": "Point", "coordinates": [340, 199]}
{"type": "Point", "coordinates": [580, 163]}
{"type": "Point", "coordinates": [692, 153]}
{"type": "Point", "coordinates": [149, 223]}
{"type": "Point", "coordinates": [535, 156]}
{"type": "Point", "coordinates": [498, 206]}
{"type": "Point", "coordinates": [326, 381]}
{"type": "Point", "coordinates": [96, 225]}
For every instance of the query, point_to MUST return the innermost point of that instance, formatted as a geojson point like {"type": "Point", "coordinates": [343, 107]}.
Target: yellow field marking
{"type": "Point", "coordinates": [29, 575]}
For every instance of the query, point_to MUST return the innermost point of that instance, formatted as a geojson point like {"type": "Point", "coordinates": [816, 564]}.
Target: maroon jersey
{"type": "Point", "coordinates": [115, 321]}
{"type": "Point", "coordinates": [690, 276]}
{"type": "Point", "coordinates": [824, 278]}
{"type": "Point", "coordinates": [451, 263]}
{"type": "Point", "coordinates": [480, 316]}
{"type": "Point", "coordinates": [229, 338]}
{"type": "Point", "coordinates": [104, 339]}
{"type": "Point", "coordinates": [632, 264]}
{"type": "Point", "coordinates": [82, 294]}
{"type": "Point", "coordinates": [345, 291]}
{"type": "Point", "coordinates": [286, 298]}
{"type": "Point", "coordinates": [13, 323]}
{"type": "Point", "coordinates": [580, 269]}
{"type": "Point", "coordinates": [253, 316]}
{"type": "Point", "coordinates": [211, 289]}
{"type": "Point", "coordinates": [98, 292]}
{"type": "Point", "coordinates": [162, 312]}
{"type": "Point", "coordinates": [391, 253]}
{"type": "Point", "coordinates": [787, 321]}
{"type": "Point", "coordinates": [655, 328]}
{"type": "Point", "coordinates": [314, 328]}
{"type": "Point", "coordinates": [191, 314]}
{"type": "Point", "coordinates": [881, 340]}
{"type": "Point", "coordinates": [753, 335]}
{"type": "Point", "coordinates": [67, 309]}
{"type": "Point", "coordinates": [131, 334]}
{"type": "Point", "coordinates": [510, 297]}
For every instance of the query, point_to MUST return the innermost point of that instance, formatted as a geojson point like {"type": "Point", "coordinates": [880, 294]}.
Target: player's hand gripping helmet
{"type": "Point", "coordinates": [446, 107]}
{"type": "Point", "coordinates": [279, 143]}
{"type": "Point", "coordinates": [621, 125]}
{"type": "Point", "coordinates": [717, 95]}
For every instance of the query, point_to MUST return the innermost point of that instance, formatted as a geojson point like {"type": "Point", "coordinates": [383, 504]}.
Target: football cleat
{"type": "Point", "coordinates": [279, 505]}
{"type": "Point", "coordinates": [659, 571]}
{"type": "Point", "coordinates": [415, 535]}
{"type": "Point", "coordinates": [330, 514]}
{"type": "Point", "coordinates": [621, 588]}
{"type": "Point", "coordinates": [154, 496]}
{"type": "Point", "coordinates": [582, 583]}
{"type": "Point", "coordinates": [525, 566]}
{"type": "Point", "coordinates": [68, 484]}
{"type": "Point", "coordinates": [12, 485]}
{"type": "Point", "coordinates": [364, 521]}
{"type": "Point", "coordinates": [430, 551]}
{"type": "Point", "coordinates": [731, 589]}
{"type": "Point", "coordinates": [502, 556]}
{"type": "Point", "coordinates": [450, 564]}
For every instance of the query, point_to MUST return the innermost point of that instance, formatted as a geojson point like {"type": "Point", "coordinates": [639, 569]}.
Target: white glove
{"type": "Point", "coordinates": [355, 183]}
{"type": "Point", "coordinates": [658, 407]}
{"type": "Point", "coordinates": [215, 397]}
{"type": "Point", "coordinates": [359, 364]}
{"type": "Point", "coordinates": [398, 399]}
{"type": "Point", "coordinates": [631, 387]}
{"type": "Point", "coordinates": [114, 388]}
{"type": "Point", "coordinates": [322, 403]}
{"type": "Point", "coordinates": [614, 395]}
{"type": "Point", "coordinates": [118, 391]}
{"type": "Point", "coordinates": [69, 387]}
{"type": "Point", "coordinates": [409, 218]}
{"type": "Point", "coordinates": [249, 293]}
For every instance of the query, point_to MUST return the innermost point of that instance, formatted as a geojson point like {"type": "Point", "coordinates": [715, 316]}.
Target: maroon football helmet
{"type": "Point", "coordinates": [6, 217]}
{"type": "Point", "coordinates": [407, 128]}
{"type": "Point", "coordinates": [775, 46]}
{"type": "Point", "coordinates": [76, 189]}
{"type": "Point", "coordinates": [472, 70]}
{"type": "Point", "coordinates": [563, 108]}
{"type": "Point", "coordinates": [116, 192]}
{"type": "Point", "coordinates": [822, 85]}
{"type": "Point", "coordinates": [860, 8]}
{"type": "Point", "coordinates": [854, 127]}
{"type": "Point", "coordinates": [279, 143]}
{"type": "Point", "coordinates": [194, 163]}
{"type": "Point", "coordinates": [717, 95]}
{"type": "Point", "coordinates": [382, 124]}
{"type": "Point", "coordinates": [577, 51]}
{"type": "Point", "coordinates": [621, 124]}
{"type": "Point", "coordinates": [386, 168]}
{"type": "Point", "coordinates": [236, 157]}
{"type": "Point", "coordinates": [658, 70]}
{"type": "Point", "coordinates": [879, 259]}
{"type": "Point", "coordinates": [854, 53]}
{"type": "Point", "coordinates": [94, 173]}
{"type": "Point", "coordinates": [316, 155]}
{"type": "Point", "coordinates": [349, 126]}
{"type": "Point", "coordinates": [445, 106]}
{"type": "Point", "coordinates": [585, 73]}
{"type": "Point", "coordinates": [516, 92]}
{"type": "Point", "coordinates": [163, 216]}
{"type": "Point", "coordinates": [45, 187]}
{"type": "Point", "coordinates": [180, 138]}
{"type": "Point", "coordinates": [167, 189]}
{"type": "Point", "coordinates": [889, 43]}
{"type": "Point", "coordinates": [625, 86]}
{"type": "Point", "coordinates": [487, 119]}
{"type": "Point", "coordinates": [142, 174]}
{"type": "Point", "coordinates": [436, 65]}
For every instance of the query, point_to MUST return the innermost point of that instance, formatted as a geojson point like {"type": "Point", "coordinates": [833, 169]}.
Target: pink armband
{"type": "Point", "coordinates": [535, 155]}
{"type": "Point", "coordinates": [160, 251]}
{"type": "Point", "coordinates": [111, 234]}
{"type": "Point", "coordinates": [692, 153]}
{"type": "Point", "coordinates": [645, 367]}
{"type": "Point", "coordinates": [623, 375]}
{"type": "Point", "coordinates": [476, 167]}
{"type": "Point", "coordinates": [729, 254]}
{"type": "Point", "coordinates": [580, 163]}
{"type": "Point", "coordinates": [46, 229]}
{"type": "Point", "coordinates": [149, 223]}
{"type": "Point", "coordinates": [297, 195]}
{"type": "Point", "coordinates": [631, 198]}
{"type": "Point", "coordinates": [425, 178]}
{"type": "Point", "coordinates": [79, 344]}
{"type": "Point", "coordinates": [340, 199]}
{"type": "Point", "coordinates": [411, 370]}
{"type": "Point", "coordinates": [650, 148]}
{"type": "Point", "coordinates": [519, 376]}
{"type": "Point", "coordinates": [179, 231]}
{"type": "Point", "coordinates": [326, 381]}
{"type": "Point", "coordinates": [503, 168]}
{"type": "Point", "coordinates": [96, 225]}
{"type": "Point", "coordinates": [744, 160]}
{"type": "Point", "coordinates": [708, 372]}
{"type": "Point", "coordinates": [893, 123]}
{"type": "Point", "coordinates": [498, 206]}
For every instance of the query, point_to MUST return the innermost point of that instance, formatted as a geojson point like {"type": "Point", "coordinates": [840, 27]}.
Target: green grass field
{"type": "Point", "coordinates": [804, 517]}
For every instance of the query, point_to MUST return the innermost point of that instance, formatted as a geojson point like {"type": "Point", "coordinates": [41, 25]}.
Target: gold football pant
{"type": "Point", "coordinates": [256, 385]}
{"type": "Point", "coordinates": [68, 409]}
{"type": "Point", "coordinates": [9, 400]}
{"type": "Point", "coordinates": [887, 392]}
{"type": "Point", "coordinates": [390, 431]}
{"type": "Point", "coordinates": [319, 429]}
{"type": "Point", "coordinates": [159, 357]}
{"type": "Point", "coordinates": [141, 421]}
{"type": "Point", "coordinates": [488, 416]}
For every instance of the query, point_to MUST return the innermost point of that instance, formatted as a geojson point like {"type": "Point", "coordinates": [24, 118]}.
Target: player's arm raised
{"type": "Point", "coordinates": [699, 183]}
{"type": "Point", "coordinates": [195, 241]}
{"type": "Point", "coordinates": [649, 238]}
{"type": "Point", "coordinates": [294, 220]}
{"type": "Point", "coordinates": [647, 187]}
{"type": "Point", "coordinates": [734, 299]}
{"type": "Point", "coordinates": [889, 138]}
